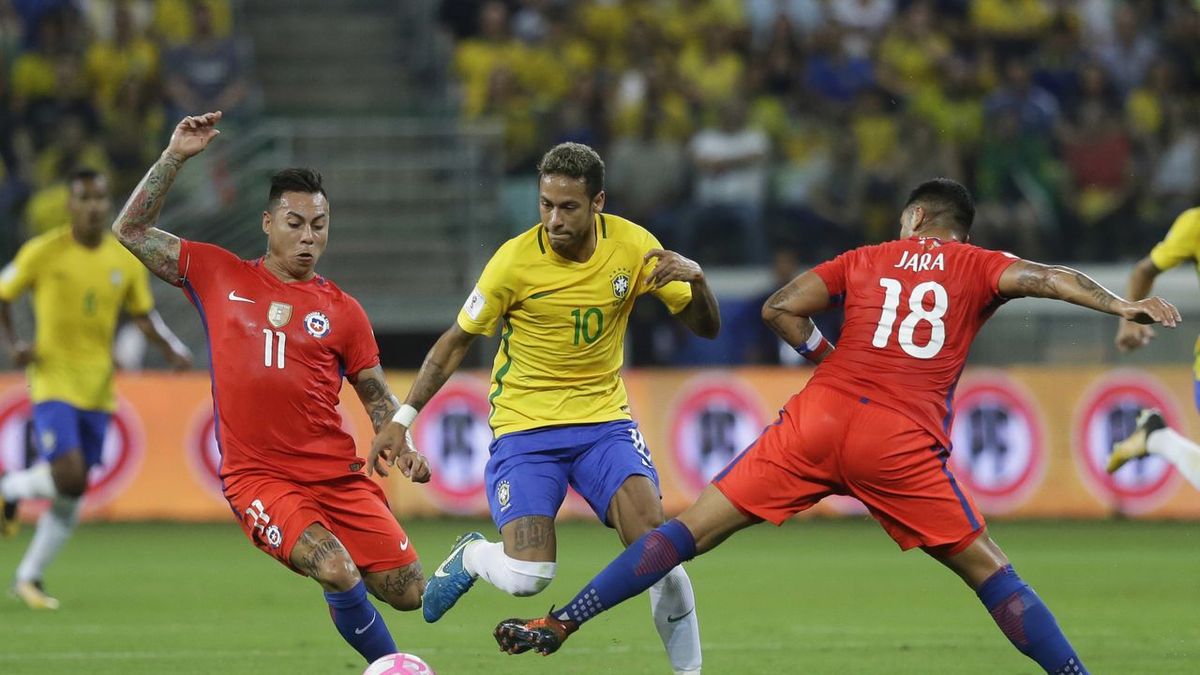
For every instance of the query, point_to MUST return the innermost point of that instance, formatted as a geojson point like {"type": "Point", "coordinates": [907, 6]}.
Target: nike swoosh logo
{"type": "Point", "coordinates": [404, 545]}
{"type": "Point", "coordinates": [441, 569]}
{"type": "Point", "coordinates": [360, 631]}
{"type": "Point", "coordinates": [539, 296]}
{"type": "Point", "coordinates": [237, 298]}
{"type": "Point", "coordinates": [673, 619]}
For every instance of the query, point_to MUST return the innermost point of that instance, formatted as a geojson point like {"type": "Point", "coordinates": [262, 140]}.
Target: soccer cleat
{"type": "Point", "coordinates": [33, 595]}
{"type": "Point", "coordinates": [450, 581]}
{"type": "Point", "coordinates": [544, 635]}
{"type": "Point", "coordinates": [1148, 422]}
{"type": "Point", "coordinates": [9, 525]}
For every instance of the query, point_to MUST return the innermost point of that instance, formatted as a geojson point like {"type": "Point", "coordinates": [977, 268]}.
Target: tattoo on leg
{"type": "Point", "coordinates": [319, 551]}
{"type": "Point", "coordinates": [532, 533]}
{"type": "Point", "coordinates": [396, 582]}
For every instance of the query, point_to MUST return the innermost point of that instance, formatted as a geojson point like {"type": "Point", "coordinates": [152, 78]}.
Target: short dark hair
{"type": "Point", "coordinates": [574, 160]}
{"type": "Point", "coordinates": [948, 195]}
{"type": "Point", "coordinates": [301, 179]}
{"type": "Point", "coordinates": [83, 173]}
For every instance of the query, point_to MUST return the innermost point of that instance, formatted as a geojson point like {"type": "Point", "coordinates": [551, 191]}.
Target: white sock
{"type": "Point", "coordinates": [674, 607]}
{"type": "Point", "coordinates": [32, 483]}
{"type": "Point", "coordinates": [487, 560]}
{"type": "Point", "coordinates": [53, 529]}
{"type": "Point", "coordinates": [1184, 454]}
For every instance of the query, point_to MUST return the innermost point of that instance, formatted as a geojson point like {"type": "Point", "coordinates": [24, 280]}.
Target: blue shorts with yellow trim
{"type": "Point", "coordinates": [528, 471]}
{"type": "Point", "coordinates": [59, 428]}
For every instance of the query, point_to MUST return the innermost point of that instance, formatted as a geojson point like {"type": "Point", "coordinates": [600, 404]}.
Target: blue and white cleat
{"type": "Point", "coordinates": [450, 581]}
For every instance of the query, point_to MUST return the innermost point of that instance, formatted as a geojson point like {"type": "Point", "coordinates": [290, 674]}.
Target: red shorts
{"type": "Point", "coordinates": [827, 442]}
{"type": "Point", "coordinates": [275, 512]}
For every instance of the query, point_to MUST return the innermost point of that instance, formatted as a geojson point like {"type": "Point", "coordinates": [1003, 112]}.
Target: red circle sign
{"type": "Point", "coordinates": [717, 419]}
{"type": "Point", "coordinates": [1107, 415]}
{"type": "Point", "coordinates": [998, 441]}
{"type": "Point", "coordinates": [121, 457]}
{"type": "Point", "coordinates": [453, 434]}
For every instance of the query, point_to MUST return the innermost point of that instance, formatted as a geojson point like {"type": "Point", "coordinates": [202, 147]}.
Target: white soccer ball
{"type": "Point", "coordinates": [399, 664]}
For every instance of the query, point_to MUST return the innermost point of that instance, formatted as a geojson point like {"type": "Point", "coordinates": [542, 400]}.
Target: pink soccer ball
{"type": "Point", "coordinates": [399, 664]}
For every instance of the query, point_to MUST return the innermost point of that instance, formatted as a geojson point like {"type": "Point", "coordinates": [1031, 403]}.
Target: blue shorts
{"type": "Point", "coordinates": [59, 428]}
{"type": "Point", "coordinates": [528, 472]}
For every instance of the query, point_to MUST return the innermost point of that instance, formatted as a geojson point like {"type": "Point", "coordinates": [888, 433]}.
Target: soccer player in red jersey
{"type": "Point", "coordinates": [874, 420]}
{"type": "Point", "coordinates": [281, 337]}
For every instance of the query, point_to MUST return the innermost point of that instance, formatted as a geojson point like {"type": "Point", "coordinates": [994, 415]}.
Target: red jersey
{"type": "Point", "coordinates": [278, 352]}
{"type": "Point", "coordinates": [913, 308]}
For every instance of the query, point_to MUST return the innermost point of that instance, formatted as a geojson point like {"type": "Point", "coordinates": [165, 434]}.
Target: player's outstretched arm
{"type": "Point", "coordinates": [393, 441]}
{"type": "Point", "coordinates": [702, 315]}
{"type": "Point", "coordinates": [1132, 335]}
{"type": "Point", "coordinates": [158, 333]}
{"type": "Point", "coordinates": [1029, 279]}
{"type": "Point", "coordinates": [134, 226]}
{"type": "Point", "coordinates": [381, 405]}
{"type": "Point", "coordinates": [19, 351]}
{"type": "Point", "coordinates": [787, 312]}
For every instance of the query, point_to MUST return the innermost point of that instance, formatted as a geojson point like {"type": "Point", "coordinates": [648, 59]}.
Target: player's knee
{"type": "Point", "coordinates": [523, 578]}
{"type": "Point", "coordinates": [70, 485]}
{"type": "Point", "coordinates": [409, 599]}
{"type": "Point", "coordinates": [336, 573]}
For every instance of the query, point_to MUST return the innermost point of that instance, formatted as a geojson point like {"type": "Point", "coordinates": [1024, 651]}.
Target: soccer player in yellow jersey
{"type": "Point", "coordinates": [81, 280]}
{"type": "Point", "coordinates": [561, 294]}
{"type": "Point", "coordinates": [1152, 435]}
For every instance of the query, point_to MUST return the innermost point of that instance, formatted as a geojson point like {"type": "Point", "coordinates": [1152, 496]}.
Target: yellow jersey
{"type": "Point", "coordinates": [562, 340]}
{"type": "Point", "coordinates": [1181, 243]}
{"type": "Point", "coordinates": [78, 294]}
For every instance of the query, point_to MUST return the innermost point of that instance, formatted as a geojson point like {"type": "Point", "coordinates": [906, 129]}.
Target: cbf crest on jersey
{"type": "Point", "coordinates": [317, 324]}
{"type": "Point", "coordinates": [621, 281]}
{"type": "Point", "coordinates": [279, 314]}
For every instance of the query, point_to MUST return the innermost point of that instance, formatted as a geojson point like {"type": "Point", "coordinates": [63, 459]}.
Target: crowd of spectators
{"type": "Point", "coordinates": [735, 127]}
{"type": "Point", "coordinates": [96, 84]}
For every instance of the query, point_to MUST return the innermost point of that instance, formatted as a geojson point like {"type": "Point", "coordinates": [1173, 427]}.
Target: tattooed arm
{"type": "Point", "coordinates": [134, 226]}
{"type": "Point", "coordinates": [787, 311]}
{"type": "Point", "coordinates": [440, 363]}
{"type": "Point", "coordinates": [1024, 279]}
{"type": "Point", "coordinates": [373, 391]}
{"type": "Point", "coordinates": [377, 398]}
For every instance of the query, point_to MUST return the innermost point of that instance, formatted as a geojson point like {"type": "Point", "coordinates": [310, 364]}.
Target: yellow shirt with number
{"type": "Point", "coordinates": [78, 294]}
{"type": "Point", "coordinates": [1182, 243]}
{"type": "Point", "coordinates": [562, 325]}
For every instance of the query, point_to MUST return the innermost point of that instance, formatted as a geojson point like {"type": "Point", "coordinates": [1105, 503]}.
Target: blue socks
{"type": "Point", "coordinates": [1028, 623]}
{"type": "Point", "coordinates": [639, 567]}
{"type": "Point", "coordinates": [359, 623]}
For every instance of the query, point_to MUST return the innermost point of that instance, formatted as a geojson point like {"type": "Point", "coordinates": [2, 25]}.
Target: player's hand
{"type": "Point", "coordinates": [392, 441]}
{"type": "Point", "coordinates": [671, 267]}
{"type": "Point", "coordinates": [413, 465]}
{"type": "Point", "coordinates": [193, 134]}
{"type": "Point", "coordinates": [21, 353]}
{"type": "Point", "coordinates": [1131, 336]}
{"type": "Point", "coordinates": [180, 359]}
{"type": "Point", "coordinates": [1152, 310]}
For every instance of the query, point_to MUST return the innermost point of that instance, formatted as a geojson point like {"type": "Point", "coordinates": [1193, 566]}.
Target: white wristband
{"type": "Point", "coordinates": [813, 341]}
{"type": "Point", "coordinates": [405, 416]}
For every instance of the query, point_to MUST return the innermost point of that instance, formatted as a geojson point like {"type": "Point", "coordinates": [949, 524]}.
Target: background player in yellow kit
{"type": "Point", "coordinates": [1152, 435]}
{"type": "Point", "coordinates": [562, 293]}
{"type": "Point", "coordinates": [81, 280]}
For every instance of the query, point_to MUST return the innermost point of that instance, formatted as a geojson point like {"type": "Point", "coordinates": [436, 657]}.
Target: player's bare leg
{"type": "Point", "coordinates": [1017, 610]}
{"type": "Point", "coordinates": [635, 510]}
{"type": "Point", "coordinates": [320, 555]}
{"type": "Point", "coordinates": [400, 587]}
{"type": "Point", "coordinates": [699, 529]}
{"type": "Point", "coordinates": [68, 472]}
{"type": "Point", "coordinates": [521, 564]}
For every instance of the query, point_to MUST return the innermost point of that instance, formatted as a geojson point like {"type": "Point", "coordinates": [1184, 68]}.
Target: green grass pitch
{"type": "Point", "coordinates": [813, 597]}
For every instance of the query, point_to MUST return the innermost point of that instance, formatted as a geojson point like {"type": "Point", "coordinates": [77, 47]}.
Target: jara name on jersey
{"type": "Point", "coordinates": [921, 262]}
